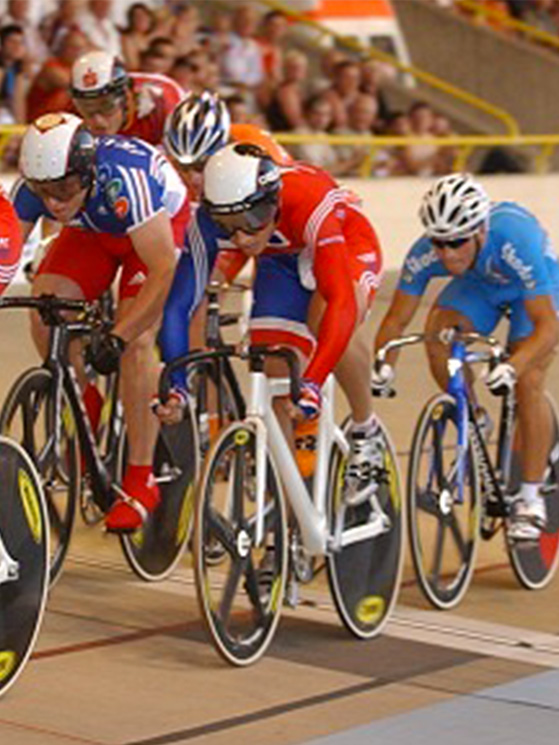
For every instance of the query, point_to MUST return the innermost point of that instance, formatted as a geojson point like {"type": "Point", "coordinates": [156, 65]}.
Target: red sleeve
{"type": "Point", "coordinates": [11, 243]}
{"type": "Point", "coordinates": [335, 284]}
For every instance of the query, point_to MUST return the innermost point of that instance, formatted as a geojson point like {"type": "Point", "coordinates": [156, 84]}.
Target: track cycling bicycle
{"type": "Point", "coordinates": [44, 411]}
{"type": "Point", "coordinates": [457, 493]}
{"type": "Point", "coordinates": [241, 507]}
{"type": "Point", "coordinates": [24, 556]}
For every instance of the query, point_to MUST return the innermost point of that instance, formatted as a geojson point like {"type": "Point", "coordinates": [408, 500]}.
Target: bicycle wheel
{"type": "Point", "coordinates": [155, 550]}
{"type": "Point", "coordinates": [28, 417]}
{"type": "Point", "coordinates": [24, 555]}
{"type": "Point", "coordinates": [535, 563]}
{"type": "Point", "coordinates": [444, 530]}
{"type": "Point", "coordinates": [364, 576]}
{"type": "Point", "coordinates": [240, 598]}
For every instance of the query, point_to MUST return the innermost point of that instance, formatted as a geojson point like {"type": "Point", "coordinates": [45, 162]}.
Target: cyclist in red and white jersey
{"type": "Point", "coordinates": [319, 264]}
{"type": "Point", "coordinates": [112, 101]}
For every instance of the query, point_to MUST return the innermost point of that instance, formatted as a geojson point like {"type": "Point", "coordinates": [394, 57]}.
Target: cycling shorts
{"type": "Point", "coordinates": [485, 304]}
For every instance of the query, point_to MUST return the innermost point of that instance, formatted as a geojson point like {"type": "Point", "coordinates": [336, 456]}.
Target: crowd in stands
{"type": "Point", "coordinates": [238, 51]}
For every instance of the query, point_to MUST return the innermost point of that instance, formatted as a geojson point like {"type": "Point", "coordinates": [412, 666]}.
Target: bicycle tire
{"type": "Point", "coordinates": [240, 599]}
{"type": "Point", "coordinates": [364, 576]}
{"type": "Point", "coordinates": [24, 533]}
{"type": "Point", "coordinates": [443, 565]}
{"type": "Point", "coordinates": [154, 550]}
{"type": "Point", "coordinates": [31, 401]}
{"type": "Point", "coordinates": [534, 563]}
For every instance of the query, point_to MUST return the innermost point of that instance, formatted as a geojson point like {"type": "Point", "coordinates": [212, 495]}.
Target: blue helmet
{"type": "Point", "coordinates": [196, 128]}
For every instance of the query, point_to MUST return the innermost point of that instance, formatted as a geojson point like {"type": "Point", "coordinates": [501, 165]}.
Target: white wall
{"type": "Point", "coordinates": [392, 206]}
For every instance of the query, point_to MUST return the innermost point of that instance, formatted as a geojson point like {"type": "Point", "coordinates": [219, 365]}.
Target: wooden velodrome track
{"type": "Point", "coordinates": [125, 663]}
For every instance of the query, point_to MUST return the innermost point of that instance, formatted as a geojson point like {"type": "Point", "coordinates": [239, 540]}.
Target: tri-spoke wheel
{"type": "Point", "coordinates": [28, 417]}
{"type": "Point", "coordinates": [443, 505]}
{"type": "Point", "coordinates": [240, 597]}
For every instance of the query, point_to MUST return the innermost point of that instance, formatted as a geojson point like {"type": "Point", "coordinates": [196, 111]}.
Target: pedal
{"type": "Point", "coordinates": [494, 508]}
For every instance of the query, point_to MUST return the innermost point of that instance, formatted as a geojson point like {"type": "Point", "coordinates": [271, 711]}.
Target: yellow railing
{"type": "Point", "coordinates": [510, 124]}
{"type": "Point", "coordinates": [478, 9]}
{"type": "Point", "coordinates": [464, 144]}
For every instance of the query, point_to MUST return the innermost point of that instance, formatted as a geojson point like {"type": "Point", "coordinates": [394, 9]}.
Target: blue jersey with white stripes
{"type": "Point", "coordinates": [517, 259]}
{"type": "Point", "coordinates": [133, 182]}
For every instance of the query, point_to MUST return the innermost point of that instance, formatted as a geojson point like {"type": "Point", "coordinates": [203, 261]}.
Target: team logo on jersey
{"type": "Point", "coordinates": [121, 207]}
{"type": "Point", "coordinates": [90, 78]}
{"type": "Point", "coordinates": [49, 121]}
{"type": "Point", "coordinates": [113, 189]}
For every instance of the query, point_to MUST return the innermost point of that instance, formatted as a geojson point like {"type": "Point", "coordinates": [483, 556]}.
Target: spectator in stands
{"type": "Point", "coordinates": [15, 75]}
{"type": "Point", "coordinates": [238, 109]}
{"type": "Point", "coordinates": [50, 88]}
{"type": "Point", "coordinates": [361, 120]}
{"type": "Point", "coordinates": [193, 71]}
{"type": "Point", "coordinates": [185, 28]}
{"type": "Point", "coordinates": [159, 56]}
{"type": "Point", "coordinates": [373, 74]}
{"type": "Point", "coordinates": [445, 155]}
{"type": "Point", "coordinates": [96, 24]}
{"type": "Point", "coordinates": [421, 159]}
{"type": "Point", "coordinates": [328, 61]}
{"type": "Point", "coordinates": [137, 34]}
{"type": "Point", "coordinates": [273, 28]}
{"type": "Point", "coordinates": [17, 13]}
{"type": "Point", "coordinates": [285, 111]}
{"type": "Point", "coordinates": [219, 34]}
{"type": "Point", "coordinates": [241, 64]}
{"type": "Point", "coordinates": [56, 24]}
{"type": "Point", "coordinates": [344, 90]}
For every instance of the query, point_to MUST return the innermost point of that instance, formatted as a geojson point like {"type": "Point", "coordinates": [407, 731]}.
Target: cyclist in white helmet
{"type": "Point", "coordinates": [499, 257]}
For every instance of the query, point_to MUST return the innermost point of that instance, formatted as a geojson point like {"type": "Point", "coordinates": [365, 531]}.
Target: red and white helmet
{"type": "Point", "coordinates": [98, 74]}
{"type": "Point", "coordinates": [56, 146]}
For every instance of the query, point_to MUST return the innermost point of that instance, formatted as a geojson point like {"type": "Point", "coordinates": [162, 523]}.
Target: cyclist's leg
{"type": "Point", "coordinates": [461, 304]}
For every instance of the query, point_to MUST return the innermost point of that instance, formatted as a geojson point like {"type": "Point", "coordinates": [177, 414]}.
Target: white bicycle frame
{"type": "Point", "coordinates": [309, 511]}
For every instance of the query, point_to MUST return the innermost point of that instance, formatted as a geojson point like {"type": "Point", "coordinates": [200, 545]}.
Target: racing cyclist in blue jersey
{"type": "Point", "coordinates": [123, 208]}
{"type": "Point", "coordinates": [500, 258]}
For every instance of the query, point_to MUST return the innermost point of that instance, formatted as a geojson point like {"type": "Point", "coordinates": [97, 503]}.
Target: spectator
{"type": "Point", "coordinates": [136, 36]}
{"type": "Point", "coordinates": [390, 161]}
{"type": "Point", "coordinates": [56, 24]}
{"type": "Point", "coordinates": [445, 155]}
{"type": "Point", "coordinates": [362, 116]}
{"type": "Point", "coordinates": [372, 76]}
{"type": "Point", "coordinates": [273, 28]}
{"type": "Point", "coordinates": [241, 64]}
{"type": "Point", "coordinates": [160, 54]}
{"type": "Point", "coordinates": [185, 28]}
{"type": "Point", "coordinates": [15, 74]}
{"type": "Point", "coordinates": [193, 71]}
{"type": "Point", "coordinates": [219, 36]}
{"type": "Point", "coordinates": [285, 111]}
{"type": "Point", "coordinates": [50, 89]}
{"type": "Point", "coordinates": [344, 90]}
{"type": "Point", "coordinates": [328, 61]}
{"type": "Point", "coordinates": [421, 159]}
{"type": "Point", "coordinates": [97, 25]}
{"type": "Point", "coordinates": [238, 109]}
{"type": "Point", "coordinates": [18, 14]}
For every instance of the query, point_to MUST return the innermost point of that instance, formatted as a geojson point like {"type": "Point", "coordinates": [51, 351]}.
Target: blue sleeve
{"type": "Point", "coordinates": [420, 265]}
{"type": "Point", "coordinates": [28, 206]}
{"type": "Point", "coordinates": [522, 253]}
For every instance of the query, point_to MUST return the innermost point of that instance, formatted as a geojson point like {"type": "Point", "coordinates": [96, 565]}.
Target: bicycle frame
{"type": "Point", "coordinates": [9, 567]}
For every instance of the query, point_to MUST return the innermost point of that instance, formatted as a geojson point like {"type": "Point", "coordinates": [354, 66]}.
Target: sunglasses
{"type": "Point", "coordinates": [250, 222]}
{"type": "Point", "coordinates": [452, 244]}
{"type": "Point", "coordinates": [62, 190]}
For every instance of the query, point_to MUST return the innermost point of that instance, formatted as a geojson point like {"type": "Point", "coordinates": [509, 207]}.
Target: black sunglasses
{"type": "Point", "coordinates": [452, 244]}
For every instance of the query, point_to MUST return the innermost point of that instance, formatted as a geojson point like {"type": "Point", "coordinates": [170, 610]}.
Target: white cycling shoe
{"type": "Point", "coordinates": [527, 521]}
{"type": "Point", "coordinates": [364, 466]}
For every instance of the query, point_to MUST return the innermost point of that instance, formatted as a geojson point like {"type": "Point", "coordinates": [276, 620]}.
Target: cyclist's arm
{"type": "Point", "coordinates": [154, 243]}
{"type": "Point", "coordinates": [543, 339]}
{"type": "Point", "coordinates": [402, 309]}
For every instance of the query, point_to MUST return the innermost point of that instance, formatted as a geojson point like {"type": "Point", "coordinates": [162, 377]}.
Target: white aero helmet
{"type": "Point", "coordinates": [197, 127]}
{"type": "Point", "coordinates": [241, 188]}
{"type": "Point", "coordinates": [55, 146]}
{"type": "Point", "coordinates": [454, 207]}
{"type": "Point", "coordinates": [98, 74]}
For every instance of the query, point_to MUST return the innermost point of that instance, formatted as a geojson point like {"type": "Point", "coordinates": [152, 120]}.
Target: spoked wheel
{"type": "Point", "coordinates": [155, 550]}
{"type": "Point", "coordinates": [218, 403]}
{"type": "Point", "coordinates": [535, 562]}
{"type": "Point", "coordinates": [364, 572]}
{"type": "Point", "coordinates": [24, 556]}
{"type": "Point", "coordinates": [443, 528]}
{"type": "Point", "coordinates": [28, 417]}
{"type": "Point", "coordinates": [241, 597]}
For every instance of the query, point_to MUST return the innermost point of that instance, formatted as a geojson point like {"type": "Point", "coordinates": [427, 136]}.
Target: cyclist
{"type": "Point", "coordinates": [114, 197]}
{"type": "Point", "coordinates": [112, 101]}
{"type": "Point", "coordinates": [198, 127]}
{"type": "Point", "coordinates": [498, 256]}
{"type": "Point", "coordinates": [318, 267]}
{"type": "Point", "coordinates": [10, 241]}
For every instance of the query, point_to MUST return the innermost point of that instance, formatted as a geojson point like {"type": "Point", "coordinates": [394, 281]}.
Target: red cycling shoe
{"type": "Point", "coordinates": [138, 497]}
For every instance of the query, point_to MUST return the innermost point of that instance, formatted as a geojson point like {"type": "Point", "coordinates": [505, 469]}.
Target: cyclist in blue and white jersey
{"type": "Point", "coordinates": [122, 206]}
{"type": "Point", "coordinates": [500, 258]}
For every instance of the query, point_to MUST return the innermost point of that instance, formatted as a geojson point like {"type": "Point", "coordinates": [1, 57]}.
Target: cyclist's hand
{"type": "Point", "coordinates": [502, 379]}
{"type": "Point", "coordinates": [310, 400]}
{"type": "Point", "coordinates": [382, 378]}
{"type": "Point", "coordinates": [104, 352]}
{"type": "Point", "coordinates": [172, 411]}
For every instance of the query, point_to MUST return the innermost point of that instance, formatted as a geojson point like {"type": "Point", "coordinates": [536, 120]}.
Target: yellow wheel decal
{"type": "Point", "coordinates": [242, 436]}
{"type": "Point", "coordinates": [370, 609]}
{"type": "Point", "coordinates": [30, 503]}
{"type": "Point", "coordinates": [137, 538]}
{"type": "Point", "coordinates": [7, 663]}
{"type": "Point", "coordinates": [185, 514]}
{"type": "Point", "coordinates": [437, 412]}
